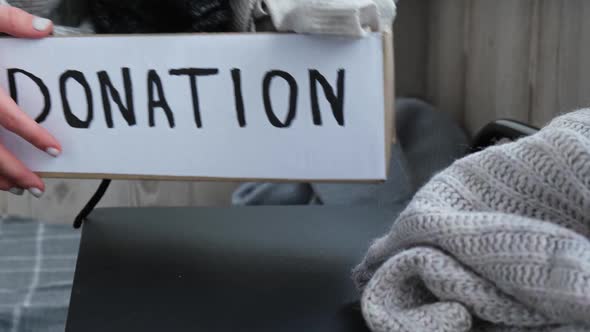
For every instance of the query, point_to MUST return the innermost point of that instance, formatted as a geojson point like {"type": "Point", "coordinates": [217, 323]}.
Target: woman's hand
{"type": "Point", "coordinates": [14, 175]}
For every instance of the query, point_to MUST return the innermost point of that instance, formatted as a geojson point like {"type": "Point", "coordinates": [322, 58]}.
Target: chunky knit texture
{"type": "Point", "coordinates": [497, 242]}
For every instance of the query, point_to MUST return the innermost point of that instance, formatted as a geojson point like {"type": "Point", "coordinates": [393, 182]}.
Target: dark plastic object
{"type": "Point", "coordinates": [262, 269]}
{"type": "Point", "coordinates": [501, 129]}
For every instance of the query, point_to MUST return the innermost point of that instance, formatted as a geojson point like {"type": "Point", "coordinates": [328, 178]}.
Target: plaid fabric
{"type": "Point", "coordinates": [37, 264]}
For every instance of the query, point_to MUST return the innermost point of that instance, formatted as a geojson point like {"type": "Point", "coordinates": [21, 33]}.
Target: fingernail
{"type": "Point", "coordinates": [36, 192]}
{"type": "Point", "coordinates": [40, 23]}
{"type": "Point", "coordinates": [53, 152]}
{"type": "Point", "coordinates": [16, 191]}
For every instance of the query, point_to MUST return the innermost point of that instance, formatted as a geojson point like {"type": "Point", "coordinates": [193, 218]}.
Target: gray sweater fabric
{"type": "Point", "coordinates": [499, 241]}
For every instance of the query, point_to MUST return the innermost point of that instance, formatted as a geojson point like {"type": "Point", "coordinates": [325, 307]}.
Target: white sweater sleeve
{"type": "Point", "coordinates": [335, 17]}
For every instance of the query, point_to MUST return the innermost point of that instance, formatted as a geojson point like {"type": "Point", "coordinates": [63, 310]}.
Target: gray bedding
{"type": "Point", "coordinates": [37, 263]}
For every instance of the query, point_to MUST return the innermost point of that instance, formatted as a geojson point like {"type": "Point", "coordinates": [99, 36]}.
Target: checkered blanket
{"type": "Point", "coordinates": [37, 263]}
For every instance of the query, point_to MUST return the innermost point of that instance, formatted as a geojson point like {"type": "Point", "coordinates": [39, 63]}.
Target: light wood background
{"type": "Point", "coordinates": [481, 60]}
{"type": "Point", "coordinates": [477, 59]}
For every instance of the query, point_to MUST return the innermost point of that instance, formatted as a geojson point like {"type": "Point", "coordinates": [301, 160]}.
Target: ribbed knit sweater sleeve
{"type": "Point", "coordinates": [331, 17]}
{"type": "Point", "coordinates": [501, 235]}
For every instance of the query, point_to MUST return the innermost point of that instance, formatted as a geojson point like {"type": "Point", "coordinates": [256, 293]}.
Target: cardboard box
{"type": "Point", "coordinates": [273, 107]}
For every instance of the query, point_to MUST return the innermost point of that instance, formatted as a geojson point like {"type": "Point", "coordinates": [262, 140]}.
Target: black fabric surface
{"type": "Point", "coordinates": [158, 16]}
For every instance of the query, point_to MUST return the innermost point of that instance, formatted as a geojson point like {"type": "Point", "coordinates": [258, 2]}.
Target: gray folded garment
{"type": "Point", "coordinates": [428, 141]}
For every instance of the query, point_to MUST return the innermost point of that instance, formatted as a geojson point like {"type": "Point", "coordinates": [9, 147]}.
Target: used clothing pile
{"type": "Point", "coordinates": [500, 241]}
{"type": "Point", "coordinates": [337, 17]}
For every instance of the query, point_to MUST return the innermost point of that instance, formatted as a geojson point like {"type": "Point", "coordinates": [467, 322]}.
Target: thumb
{"type": "Point", "coordinates": [18, 23]}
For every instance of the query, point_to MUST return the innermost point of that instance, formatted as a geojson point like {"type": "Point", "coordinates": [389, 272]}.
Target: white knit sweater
{"type": "Point", "coordinates": [499, 240]}
{"type": "Point", "coordinates": [335, 17]}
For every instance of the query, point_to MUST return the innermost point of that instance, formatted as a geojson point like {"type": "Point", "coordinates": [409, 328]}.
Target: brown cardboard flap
{"type": "Point", "coordinates": [389, 85]}
{"type": "Point", "coordinates": [88, 176]}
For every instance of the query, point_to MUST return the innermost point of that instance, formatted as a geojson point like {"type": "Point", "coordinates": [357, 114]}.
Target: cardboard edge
{"type": "Point", "coordinates": [89, 176]}
{"type": "Point", "coordinates": [389, 95]}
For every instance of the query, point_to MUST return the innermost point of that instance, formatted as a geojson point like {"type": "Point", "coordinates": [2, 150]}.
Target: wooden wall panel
{"type": "Point", "coordinates": [445, 79]}
{"type": "Point", "coordinates": [410, 34]}
{"type": "Point", "coordinates": [562, 74]}
{"type": "Point", "coordinates": [498, 55]}
{"type": "Point", "coordinates": [527, 59]}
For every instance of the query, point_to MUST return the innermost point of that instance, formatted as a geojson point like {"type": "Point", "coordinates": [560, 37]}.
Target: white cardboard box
{"type": "Point", "coordinates": [206, 106]}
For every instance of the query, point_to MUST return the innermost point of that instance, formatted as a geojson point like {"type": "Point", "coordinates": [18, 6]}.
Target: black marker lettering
{"type": "Point", "coordinates": [336, 100]}
{"type": "Point", "coordinates": [193, 73]}
{"type": "Point", "coordinates": [237, 79]}
{"type": "Point", "coordinates": [107, 88]}
{"type": "Point", "coordinates": [71, 118]}
{"type": "Point", "coordinates": [14, 94]}
{"type": "Point", "coordinates": [154, 79]}
{"type": "Point", "coordinates": [293, 93]}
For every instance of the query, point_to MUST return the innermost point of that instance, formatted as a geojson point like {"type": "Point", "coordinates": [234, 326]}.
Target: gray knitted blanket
{"type": "Point", "coordinates": [497, 242]}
